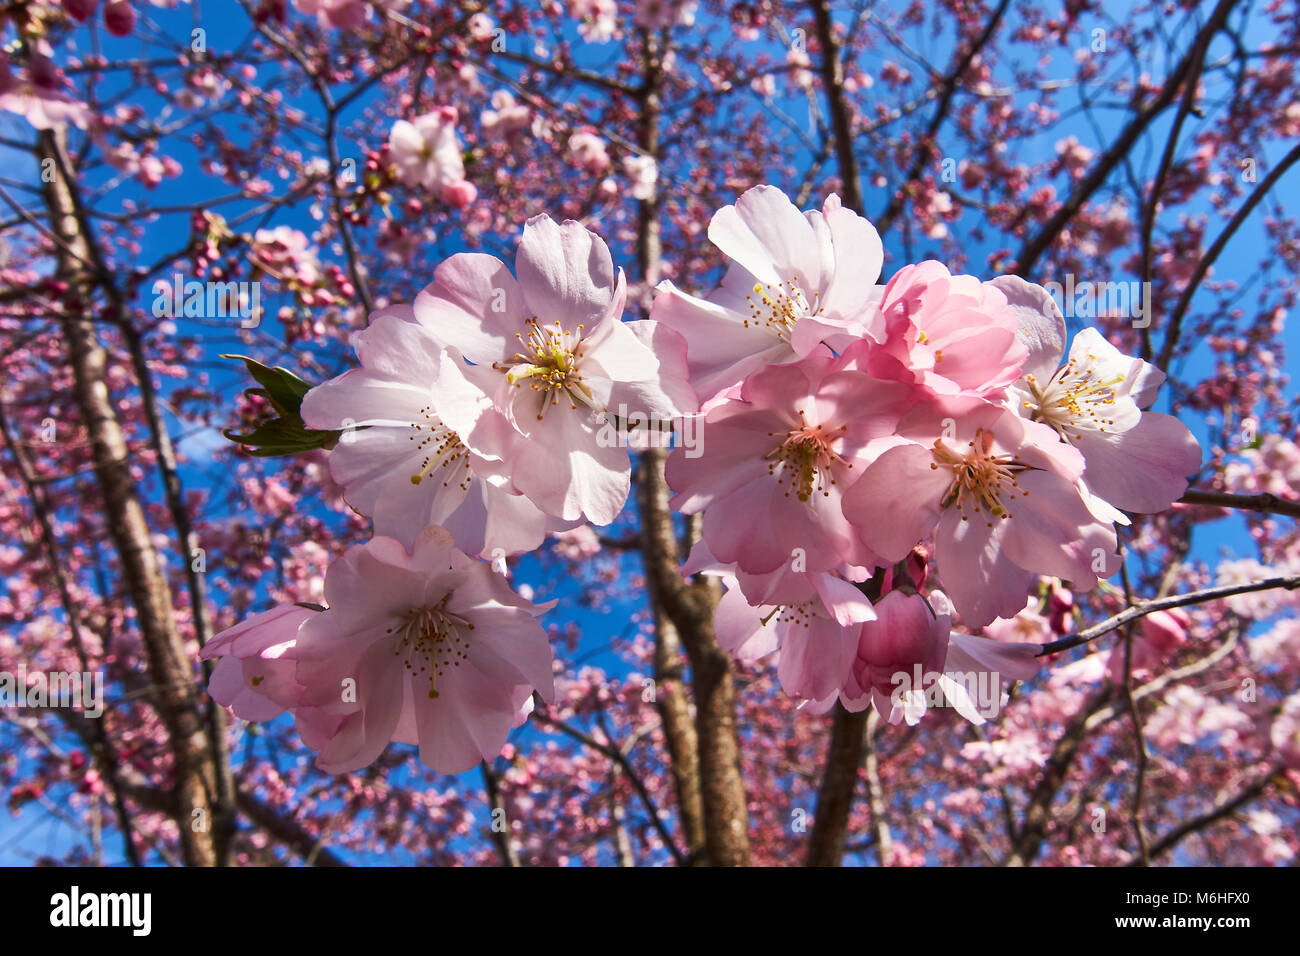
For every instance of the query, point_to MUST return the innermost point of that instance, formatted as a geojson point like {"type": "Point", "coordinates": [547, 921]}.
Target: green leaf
{"type": "Point", "coordinates": [278, 436]}
{"type": "Point", "coordinates": [280, 386]}
{"type": "Point", "coordinates": [285, 434]}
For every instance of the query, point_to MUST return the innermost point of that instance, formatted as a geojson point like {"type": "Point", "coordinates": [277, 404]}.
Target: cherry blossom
{"type": "Point", "coordinates": [1097, 401]}
{"type": "Point", "coordinates": [341, 14]}
{"type": "Point", "coordinates": [428, 155]}
{"type": "Point", "coordinates": [909, 658]}
{"type": "Point", "coordinates": [397, 459]}
{"type": "Point", "coordinates": [588, 152]}
{"type": "Point", "coordinates": [598, 19]}
{"type": "Point", "coordinates": [255, 675]}
{"type": "Point", "coordinates": [38, 96]}
{"type": "Point", "coordinates": [1159, 635]}
{"type": "Point", "coordinates": [947, 334]}
{"type": "Point", "coordinates": [794, 282]}
{"type": "Point", "coordinates": [687, 725]}
{"type": "Point", "coordinates": [1001, 495]}
{"type": "Point", "coordinates": [786, 449]}
{"type": "Point", "coordinates": [659, 14]}
{"type": "Point", "coordinates": [440, 653]}
{"type": "Point", "coordinates": [555, 329]}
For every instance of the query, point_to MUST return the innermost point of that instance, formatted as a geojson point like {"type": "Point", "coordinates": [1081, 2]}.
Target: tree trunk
{"type": "Point", "coordinates": [172, 673]}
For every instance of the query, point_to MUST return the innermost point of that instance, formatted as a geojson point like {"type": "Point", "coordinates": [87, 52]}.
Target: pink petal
{"type": "Point", "coordinates": [1051, 531]}
{"type": "Point", "coordinates": [565, 272]}
{"type": "Point", "coordinates": [769, 237]}
{"type": "Point", "coordinates": [568, 473]}
{"type": "Point", "coordinates": [735, 537]}
{"type": "Point", "coordinates": [896, 501]}
{"type": "Point", "coordinates": [859, 255]}
{"type": "Point", "coordinates": [368, 732]}
{"type": "Point", "coordinates": [981, 580]}
{"type": "Point", "coordinates": [1040, 325]}
{"type": "Point", "coordinates": [1144, 469]}
{"type": "Point", "coordinates": [739, 627]}
{"type": "Point", "coordinates": [720, 349]}
{"type": "Point", "coordinates": [474, 305]}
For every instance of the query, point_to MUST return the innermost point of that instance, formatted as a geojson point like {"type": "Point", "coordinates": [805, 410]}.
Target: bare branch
{"type": "Point", "coordinates": [1165, 604]}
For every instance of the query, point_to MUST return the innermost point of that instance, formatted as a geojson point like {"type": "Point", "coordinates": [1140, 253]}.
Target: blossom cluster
{"type": "Point", "coordinates": [475, 424]}
{"type": "Point", "coordinates": [852, 430]}
{"type": "Point", "coordinates": [849, 424]}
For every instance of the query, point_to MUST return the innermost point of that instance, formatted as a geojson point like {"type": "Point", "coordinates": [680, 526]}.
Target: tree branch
{"type": "Point", "coordinates": [947, 90]}
{"type": "Point", "coordinates": [1165, 604]}
{"type": "Point", "coordinates": [1264, 502]}
{"type": "Point", "coordinates": [1034, 247]}
{"type": "Point", "coordinates": [1221, 810]}
{"type": "Point", "coordinates": [1212, 254]}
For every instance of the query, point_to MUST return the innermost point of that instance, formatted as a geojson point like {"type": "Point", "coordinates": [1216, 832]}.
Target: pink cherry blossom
{"type": "Point", "coordinates": [778, 460]}
{"type": "Point", "coordinates": [1135, 460]}
{"type": "Point", "coordinates": [947, 334]}
{"type": "Point", "coordinates": [661, 14]}
{"type": "Point", "coordinates": [255, 674]}
{"type": "Point", "coordinates": [286, 252]}
{"type": "Point", "coordinates": [588, 152]}
{"type": "Point", "coordinates": [549, 351]}
{"type": "Point", "coordinates": [1273, 467]}
{"type": "Point", "coordinates": [38, 96]}
{"type": "Point", "coordinates": [440, 652]}
{"type": "Point", "coordinates": [460, 194]}
{"type": "Point", "coordinates": [400, 463]}
{"type": "Point", "coordinates": [1159, 635]}
{"type": "Point", "coordinates": [1028, 626]}
{"type": "Point", "coordinates": [343, 14]}
{"type": "Point", "coordinates": [1260, 604]}
{"type": "Point", "coordinates": [909, 659]}
{"type": "Point", "coordinates": [1191, 716]}
{"type": "Point", "coordinates": [100, 566]}
{"type": "Point", "coordinates": [815, 637]}
{"type": "Point", "coordinates": [481, 27]}
{"type": "Point", "coordinates": [643, 173]}
{"type": "Point", "coordinates": [505, 117]}
{"type": "Point", "coordinates": [1000, 494]}
{"type": "Point", "coordinates": [811, 618]}
{"type": "Point", "coordinates": [794, 281]}
{"type": "Point", "coordinates": [426, 151]}
{"type": "Point", "coordinates": [597, 19]}
{"type": "Point", "coordinates": [906, 637]}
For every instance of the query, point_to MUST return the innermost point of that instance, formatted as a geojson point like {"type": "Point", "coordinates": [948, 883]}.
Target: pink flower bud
{"type": "Point", "coordinates": [905, 635]}
{"type": "Point", "coordinates": [119, 18]}
{"type": "Point", "coordinates": [1165, 631]}
{"type": "Point", "coordinates": [1060, 608]}
{"type": "Point", "coordinates": [918, 566]}
{"type": "Point", "coordinates": [80, 10]}
{"type": "Point", "coordinates": [459, 194]}
{"type": "Point", "coordinates": [43, 73]}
